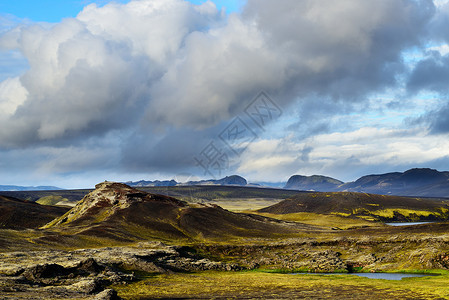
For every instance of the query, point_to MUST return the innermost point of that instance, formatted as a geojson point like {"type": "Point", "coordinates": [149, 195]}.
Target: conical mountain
{"type": "Point", "coordinates": [115, 210]}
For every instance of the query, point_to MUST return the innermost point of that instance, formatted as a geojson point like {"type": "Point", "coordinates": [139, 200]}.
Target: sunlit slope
{"type": "Point", "coordinates": [368, 206]}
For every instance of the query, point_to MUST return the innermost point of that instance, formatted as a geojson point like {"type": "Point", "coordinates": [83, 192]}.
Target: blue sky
{"type": "Point", "coordinates": [139, 91]}
{"type": "Point", "coordinates": [55, 10]}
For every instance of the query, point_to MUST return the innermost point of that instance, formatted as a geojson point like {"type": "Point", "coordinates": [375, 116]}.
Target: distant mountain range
{"type": "Point", "coordinates": [414, 182]}
{"type": "Point", "coordinates": [422, 182]}
{"type": "Point", "coordinates": [28, 188]}
{"type": "Point", "coordinates": [228, 180]}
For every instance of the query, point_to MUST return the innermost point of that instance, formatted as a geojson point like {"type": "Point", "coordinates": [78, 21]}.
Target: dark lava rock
{"type": "Point", "coordinates": [90, 286]}
{"type": "Point", "coordinates": [44, 271]}
{"type": "Point", "coordinates": [327, 261]}
{"type": "Point", "coordinates": [89, 266]}
{"type": "Point", "coordinates": [108, 294]}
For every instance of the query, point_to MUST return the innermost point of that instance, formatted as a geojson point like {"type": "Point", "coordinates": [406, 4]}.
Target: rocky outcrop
{"type": "Point", "coordinates": [86, 272]}
{"type": "Point", "coordinates": [108, 294]}
{"type": "Point", "coordinates": [146, 256]}
{"type": "Point", "coordinates": [52, 280]}
{"type": "Point", "coordinates": [326, 261]}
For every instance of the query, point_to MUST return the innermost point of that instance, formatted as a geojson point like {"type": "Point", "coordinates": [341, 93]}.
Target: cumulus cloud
{"type": "Point", "coordinates": [339, 48]}
{"type": "Point", "coordinates": [12, 95]}
{"type": "Point", "coordinates": [187, 66]}
{"type": "Point", "coordinates": [215, 76]}
{"type": "Point", "coordinates": [92, 74]}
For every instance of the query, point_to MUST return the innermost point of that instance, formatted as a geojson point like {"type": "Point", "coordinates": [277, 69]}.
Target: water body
{"type": "Point", "coordinates": [387, 276]}
{"type": "Point", "coordinates": [407, 223]}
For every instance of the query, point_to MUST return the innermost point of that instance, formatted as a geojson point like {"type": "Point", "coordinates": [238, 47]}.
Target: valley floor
{"type": "Point", "coordinates": [257, 284]}
{"type": "Point", "coordinates": [122, 243]}
{"type": "Point", "coordinates": [242, 270]}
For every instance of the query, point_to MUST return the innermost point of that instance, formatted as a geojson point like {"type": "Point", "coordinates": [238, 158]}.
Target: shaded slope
{"type": "Point", "coordinates": [118, 211]}
{"type": "Point", "coordinates": [378, 207]}
{"type": "Point", "coordinates": [414, 182]}
{"type": "Point", "coordinates": [18, 214]}
{"type": "Point", "coordinates": [71, 195]}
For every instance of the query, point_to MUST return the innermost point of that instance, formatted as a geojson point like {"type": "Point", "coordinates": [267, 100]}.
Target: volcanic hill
{"type": "Point", "coordinates": [115, 210]}
{"type": "Point", "coordinates": [368, 206]}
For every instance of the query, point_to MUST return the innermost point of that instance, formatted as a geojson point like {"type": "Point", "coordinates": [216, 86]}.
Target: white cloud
{"type": "Point", "coordinates": [12, 95]}
{"type": "Point", "coordinates": [214, 72]}
{"type": "Point", "coordinates": [92, 74]}
{"type": "Point", "coordinates": [187, 65]}
{"type": "Point", "coordinates": [443, 49]}
{"type": "Point", "coordinates": [356, 152]}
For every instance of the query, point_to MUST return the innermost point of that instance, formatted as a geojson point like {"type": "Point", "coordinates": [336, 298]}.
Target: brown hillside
{"type": "Point", "coordinates": [116, 210]}
{"type": "Point", "coordinates": [352, 203]}
{"type": "Point", "coordinates": [19, 214]}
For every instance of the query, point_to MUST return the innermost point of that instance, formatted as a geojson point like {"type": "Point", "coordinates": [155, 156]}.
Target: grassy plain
{"type": "Point", "coordinates": [264, 285]}
{"type": "Point", "coordinates": [323, 220]}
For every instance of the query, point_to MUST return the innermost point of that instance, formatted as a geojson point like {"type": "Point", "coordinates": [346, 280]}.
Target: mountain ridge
{"type": "Point", "coordinates": [14, 188]}
{"type": "Point", "coordinates": [228, 180]}
{"type": "Point", "coordinates": [413, 182]}
{"type": "Point", "coordinates": [422, 182]}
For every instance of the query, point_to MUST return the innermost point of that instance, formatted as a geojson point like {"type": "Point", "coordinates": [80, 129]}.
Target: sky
{"type": "Point", "coordinates": [174, 89]}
